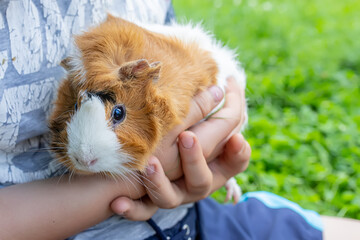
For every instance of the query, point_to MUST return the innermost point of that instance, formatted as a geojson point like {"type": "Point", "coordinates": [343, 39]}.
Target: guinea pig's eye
{"type": "Point", "coordinates": [118, 114]}
{"type": "Point", "coordinates": [75, 106]}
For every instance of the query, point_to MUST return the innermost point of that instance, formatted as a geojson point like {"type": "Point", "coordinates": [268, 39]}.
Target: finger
{"type": "Point", "coordinates": [218, 149]}
{"type": "Point", "coordinates": [201, 105]}
{"type": "Point", "coordinates": [233, 87]}
{"type": "Point", "coordinates": [234, 160]}
{"type": "Point", "coordinates": [229, 194]}
{"type": "Point", "coordinates": [135, 210]}
{"type": "Point", "coordinates": [161, 191]}
{"type": "Point", "coordinates": [237, 195]}
{"type": "Point", "coordinates": [197, 175]}
{"type": "Point", "coordinates": [237, 150]}
{"type": "Point", "coordinates": [238, 92]}
{"type": "Point", "coordinates": [233, 190]}
{"type": "Point", "coordinates": [224, 123]}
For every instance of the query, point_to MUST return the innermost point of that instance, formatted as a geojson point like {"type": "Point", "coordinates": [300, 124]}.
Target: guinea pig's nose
{"type": "Point", "coordinates": [89, 163]}
{"type": "Point", "coordinates": [86, 162]}
{"type": "Point", "coordinates": [92, 162]}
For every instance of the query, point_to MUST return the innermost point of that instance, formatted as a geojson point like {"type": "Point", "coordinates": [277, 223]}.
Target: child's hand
{"type": "Point", "coordinates": [199, 180]}
{"type": "Point", "coordinates": [212, 133]}
{"type": "Point", "coordinates": [168, 151]}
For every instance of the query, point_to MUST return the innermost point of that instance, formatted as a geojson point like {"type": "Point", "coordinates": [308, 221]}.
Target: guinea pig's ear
{"type": "Point", "coordinates": [155, 71]}
{"type": "Point", "coordinates": [65, 63]}
{"type": "Point", "coordinates": [140, 69]}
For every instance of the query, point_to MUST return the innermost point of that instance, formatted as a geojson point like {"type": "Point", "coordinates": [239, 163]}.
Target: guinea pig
{"type": "Point", "coordinates": [126, 87]}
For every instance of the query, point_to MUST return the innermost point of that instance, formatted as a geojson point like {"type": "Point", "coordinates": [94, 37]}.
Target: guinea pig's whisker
{"type": "Point", "coordinates": [60, 158]}
{"type": "Point", "coordinates": [72, 173]}
{"type": "Point", "coordinates": [137, 178]}
{"type": "Point", "coordinates": [58, 165]}
{"type": "Point", "coordinates": [66, 112]}
{"type": "Point", "coordinates": [135, 161]}
{"type": "Point", "coordinates": [153, 190]}
{"type": "Point", "coordinates": [43, 149]}
{"type": "Point", "coordinates": [38, 150]}
{"type": "Point", "coordinates": [141, 178]}
{"type": "Point", "coordinates": [134, 177]}
{"type": "Point", "coordinates": [51, 148]}
{"type": "Point", "coordinates": [56, 148]}
{"type": "Point", "coordinates": [113, 176]}
{"type": "Point", "coordinates": [45, 164]}
{"type": "Point", "coordinates": [61, 176]}
{"type": "Point", "coordinates": [149, 181]}
{"type": "Point", "coordinates": [127, 179]}
{"type": "Point", "coordinates": [60, 143]}
{"type": "Point", "coordinates": [231, 118]}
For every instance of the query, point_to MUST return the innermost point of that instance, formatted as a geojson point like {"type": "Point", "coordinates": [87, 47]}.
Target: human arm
{"type": "Point", "coordinates": [340, 228]}
{"type": "Point", "coordinates": [57, 208]}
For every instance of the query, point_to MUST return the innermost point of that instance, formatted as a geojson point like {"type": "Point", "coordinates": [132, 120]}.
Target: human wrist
{"type": "Point", "coordinates": [111, 188]}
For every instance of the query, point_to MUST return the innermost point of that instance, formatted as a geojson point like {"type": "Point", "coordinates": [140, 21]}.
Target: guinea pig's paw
{"type": "Point", "coordinates": [233, 190]}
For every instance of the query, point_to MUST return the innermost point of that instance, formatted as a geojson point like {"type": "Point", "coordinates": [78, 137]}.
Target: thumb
{"type": "Point", "coordinates": [135, 210]}
{"type": "Point", "coordinates": [202, 104]}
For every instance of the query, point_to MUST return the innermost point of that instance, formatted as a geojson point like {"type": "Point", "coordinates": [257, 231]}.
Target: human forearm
{"type": "Point", "coordinates": [56, 209]}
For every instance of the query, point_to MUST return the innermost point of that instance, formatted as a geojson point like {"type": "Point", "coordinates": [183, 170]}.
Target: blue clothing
{"type": "Point", "coordinates": [187, 228]}
{"type": "Point", "coordinates": [253, 218]}
{"type": "Point", "coordinates": [258, 216]}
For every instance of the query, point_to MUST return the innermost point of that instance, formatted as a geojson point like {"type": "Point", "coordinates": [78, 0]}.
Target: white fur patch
{"type": "Point", "coordinates": [90, 138]}
{"type": "Point", "coordinates": [224, 57]}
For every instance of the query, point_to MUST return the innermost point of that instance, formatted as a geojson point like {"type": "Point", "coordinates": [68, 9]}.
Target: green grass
{"type": "Point", "coordinates": [302, 59]}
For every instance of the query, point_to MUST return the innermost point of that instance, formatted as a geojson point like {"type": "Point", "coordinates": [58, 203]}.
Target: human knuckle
{"type": "Point", "coordinates": [203, 104]}
{"type": "Point", "coordinates": [244, 160]}
{"type": "Point", "coordinates": [206, 153]}
{"type": "Point", "coordinates": [173, 203]}
{"type": "Point", "coordinates": [201, 185]}
{"type": "Point", "coordinates": [245, 151]}
{"type": "Point", "coordinates": [248, 151]}
{"type": "Point", "coordinates": [204, 195]}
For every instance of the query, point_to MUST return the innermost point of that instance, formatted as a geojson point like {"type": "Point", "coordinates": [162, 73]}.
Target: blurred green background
{"type": "Point", "coordinates": [302, 59]}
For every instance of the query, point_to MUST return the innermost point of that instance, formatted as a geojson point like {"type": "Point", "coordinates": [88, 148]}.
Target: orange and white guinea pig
{"type": "Point", "coordinates": [127, 86]}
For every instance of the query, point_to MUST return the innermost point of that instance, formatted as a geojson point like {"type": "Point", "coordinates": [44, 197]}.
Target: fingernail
{"type": "Point", "coordinates": [187, 141]}
{"type": "Point", "coordinates": [217, 93]}
{"type": "Point", "coordinates": [150, 169]}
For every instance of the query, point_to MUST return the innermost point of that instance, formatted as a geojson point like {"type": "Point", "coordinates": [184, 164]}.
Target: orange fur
{"type": "Point", "coordinates": [155, 103]}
